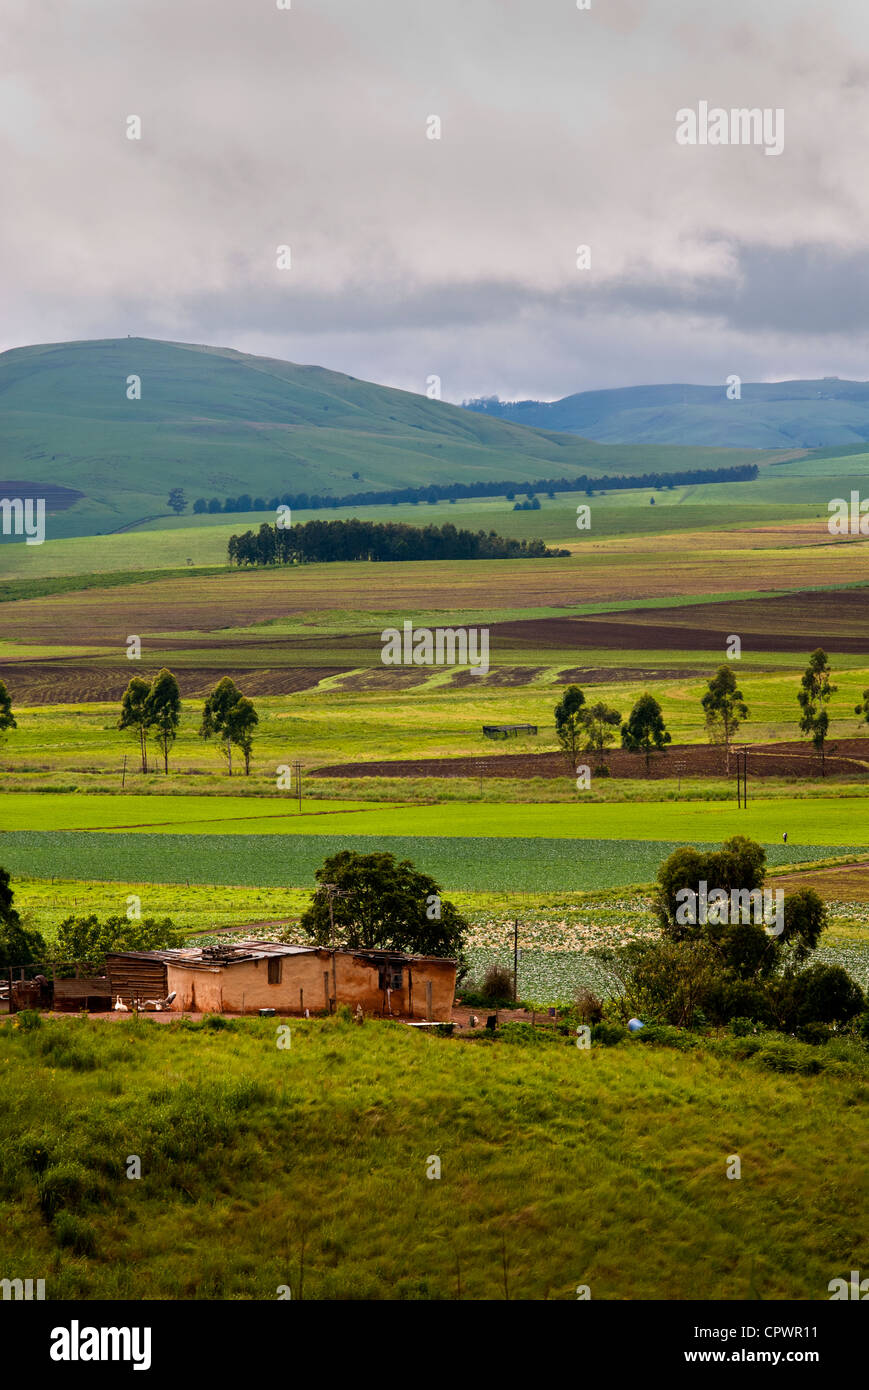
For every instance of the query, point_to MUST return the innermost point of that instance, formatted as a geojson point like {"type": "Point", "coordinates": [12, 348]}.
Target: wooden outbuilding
{"type": "Point", "coordinates": [244, 977]}
{"type": "Point", "coordinates": [508, 730]}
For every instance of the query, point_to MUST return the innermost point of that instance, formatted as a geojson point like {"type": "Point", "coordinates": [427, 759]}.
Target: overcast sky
{"type": "Point", "coordinates": [455, 257]}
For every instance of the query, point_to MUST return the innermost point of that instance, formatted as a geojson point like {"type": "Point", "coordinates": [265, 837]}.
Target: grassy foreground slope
{"type": "Point", "coordinates": [264, 1168]}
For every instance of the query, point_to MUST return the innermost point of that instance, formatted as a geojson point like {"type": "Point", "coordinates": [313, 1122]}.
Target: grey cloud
{"type": "Point", "coordinates": [457, 257]}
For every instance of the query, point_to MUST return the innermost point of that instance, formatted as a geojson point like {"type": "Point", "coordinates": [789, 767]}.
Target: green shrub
{"type": "Point", "coordinates": [814, 1033]}
{"type": "Point", "coordinates": [28, 1019]}
{"type": "Point", "coordinates": [743, 1047]}
{"type": "Point", "coordinates": [34, 1152]}
{"type": "Point", "coordinates": [826, 994]}
{"type": "Point", "coordinates": [783, 1056]}
{"type": "Point", "coordinates": [742, 1027]}
{"type": "Point", "coordinates": [64, 1185]}
{"type": "Point", "coordinates": [667, 1036]}
{"type": "Point", "coordinates": [216, 1023]}
{"type": "Point", "coordinates": [672, 980]}
{"type": "Point", "coordinates": [608, 1034]}
{"type": "Point", "coordinates": [731, 998]}
{"type": "Point", "coordinates": [526, 1035]}
{"type": "Point", "coordinates": [72, 1231]}
{"type": "Point", "coordinates": [497, 984]}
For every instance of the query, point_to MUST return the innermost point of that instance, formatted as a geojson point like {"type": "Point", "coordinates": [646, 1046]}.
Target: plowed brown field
{"type": "Point", "coordinates": [846, 757]}
{"type": "Point", "coordinates": [836, 620]}
{"type": "Point", "coordinates": [51, 683]}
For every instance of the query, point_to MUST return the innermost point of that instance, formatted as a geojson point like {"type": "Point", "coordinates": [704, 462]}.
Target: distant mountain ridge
{"type": "Point", "coordinates": [121, 421]}
{"type": "Point", "coordinates": [769, 415]}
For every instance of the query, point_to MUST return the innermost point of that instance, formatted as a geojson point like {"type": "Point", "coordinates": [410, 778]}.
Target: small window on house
{"type": "Point", "coordinates": [275, 964]}
{"type": "Point", "coordinates": [391, 977]}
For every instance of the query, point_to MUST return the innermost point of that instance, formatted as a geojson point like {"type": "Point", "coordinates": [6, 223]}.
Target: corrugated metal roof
{"type": "Point", "coordinates": [233, 953]}
{"type": "Point", "coordinates": [237, 952]}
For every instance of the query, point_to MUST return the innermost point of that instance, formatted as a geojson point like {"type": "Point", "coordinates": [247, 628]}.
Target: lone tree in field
{"type": "Point", "coordinates": [7, 718]}
{"type": "Point", "coordinates": [724, 709]}
{"type": "Point", "coordinates": [222, 719]}
{"type": "Point", "coordinates": [177, 500]}
{"type": "Point", "coordinates": [568, 724]}
{"type": "Point", "coordinates": [571, 701]}
{"type": "Point", "coordinates": [134, 714]}
{"type": "Point", "coordinates": [599, 723]}
{"type": "Point", "coordinates": [163, 711]}
{"type": "Point", "coordinates": [381, 903]}
{"type": "Point", "coordinates": [863, 710]}
{"type": "Point", "coordinates": [644, 731]}
{"type": "Point", "coordinates": [18, 944]}
{"type": "Point", "coordinates": [814, 696]}
{"type": "Point", "coordinates": [242, 719]}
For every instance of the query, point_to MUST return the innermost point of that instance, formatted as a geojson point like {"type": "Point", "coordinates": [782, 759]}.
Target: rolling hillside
{"type": "Point", "coordinates": [218, 423]}
{"type": "Point", "coordinates": [769, 415]}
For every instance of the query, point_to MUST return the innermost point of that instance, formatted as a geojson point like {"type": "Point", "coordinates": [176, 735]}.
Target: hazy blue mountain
{"type": "Point", "coordinates": [769, 415]}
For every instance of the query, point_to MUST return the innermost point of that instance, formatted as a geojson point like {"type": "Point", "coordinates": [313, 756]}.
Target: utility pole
{"type": "Point", "coordinates": [742, 776]}
{"type": "Point", "coordinates": [297, 768]}
{"type": "Point", "coordinates": [745, 778]}
{"type": "Point", "coordinates": [333, 892]}
{"type": "Point", "coordinates": [124, 772]}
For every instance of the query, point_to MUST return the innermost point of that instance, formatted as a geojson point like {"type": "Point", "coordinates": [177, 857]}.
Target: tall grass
{"type": "Point", "coordinates": [308, 1166]}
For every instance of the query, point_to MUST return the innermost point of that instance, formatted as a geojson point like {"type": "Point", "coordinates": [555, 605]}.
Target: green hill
{"type": "Point", "coordinates": [218, 423]}
{"type": "Point", "coordinates": [769, 415]}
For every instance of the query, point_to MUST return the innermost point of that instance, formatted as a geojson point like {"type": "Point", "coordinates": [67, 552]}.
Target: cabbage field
{"type": "Point", "coordinates": [471, 863]}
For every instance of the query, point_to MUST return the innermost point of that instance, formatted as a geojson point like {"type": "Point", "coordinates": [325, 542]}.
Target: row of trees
{"type": "Point", "coordinates": [585, 728]}
{"type": "Point", "coordinates": [450, 492]}
{"type": "Point", "coordinates": [371, 540]}
{"type": "Point", "coordinates": [154, 708]}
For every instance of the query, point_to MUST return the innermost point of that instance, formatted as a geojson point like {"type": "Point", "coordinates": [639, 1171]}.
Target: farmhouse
{"type": "Point", "coordinates": [247, 976]}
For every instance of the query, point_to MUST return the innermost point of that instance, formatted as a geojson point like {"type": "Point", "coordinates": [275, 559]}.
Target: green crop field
{"type": "Point", "coordinates": [811, 822]}
{"type": "Point", "coordinates": [533, 863]}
